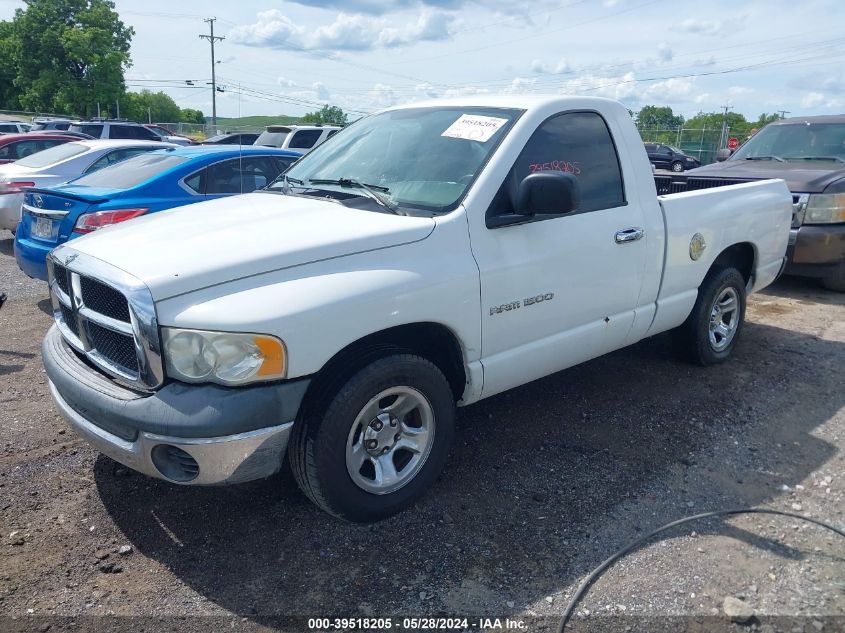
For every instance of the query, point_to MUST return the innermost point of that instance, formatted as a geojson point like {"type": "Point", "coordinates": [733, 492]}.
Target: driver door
{"type": "Point", "coordinates": [558, 291]}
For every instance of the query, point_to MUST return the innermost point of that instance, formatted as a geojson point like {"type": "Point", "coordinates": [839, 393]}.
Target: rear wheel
{"type": "Point", "coordinates": [712, 329]}
{"type": "Point", "coordinates": [677, 166]}
{"type": "Point", "coordinates": [381, 442]}
{"type": "Point", "coordinates": [836, 281]}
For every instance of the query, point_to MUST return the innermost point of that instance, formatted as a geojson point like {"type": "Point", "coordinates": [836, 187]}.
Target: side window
{"type": "Point", "coordinates": [24, 149]}
{"type": "Point", "coordinates": [577, 143]}
{"type": "Point", "coordinates": [144, 134]}
{"type": "Point", "coordinates": [91, 130]}
{"type": "Point", "coordinates": [102, 161]}
{"type": "Point", "coordinates": [196, 182]}
{"type": "Point", "coordinates": [283, 162]}
{"type": "Point", "coordinates": [8, 128]}
{"type": "Point", "coordinates": [241, 175]}
{"type": "Point", "coordinates": [121, 131]}
{"type": "Point", "coordinates": [7, 152]}
{"type": "Point", "coordinates": [332, 133]}
{"type": "Point", "coordinates": [223, 177]}
{"type": "Point", "coordinates": [304, 139]}
{"type": "Point", "coordinates": [42, 145]}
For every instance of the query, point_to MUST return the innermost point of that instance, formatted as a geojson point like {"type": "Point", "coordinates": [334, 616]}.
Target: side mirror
{"type": "Point", "coordinates": [548, 193]}
{"type": "Point", "coordinates": [724, 154]}
{"type": "Point", "coordinates": [544, 193]}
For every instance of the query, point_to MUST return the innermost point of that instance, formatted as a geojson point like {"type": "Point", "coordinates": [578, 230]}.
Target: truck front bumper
{"type": "Point", "coordinates": [186, 434]}
{"type": "Point", "coordinates": [816, 250]}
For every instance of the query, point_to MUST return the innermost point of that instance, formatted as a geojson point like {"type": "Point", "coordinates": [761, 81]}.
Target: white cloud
{"type": "Point", "coordinates": [702, 27]}
{"type": "Point", "coordinates": [287, 83]}
{"type": "Point", "coordinates": [321, 91]}
{"type": "Point", "coordinates": [520, 85]}
{"type": "Point", "coordinates": [562, 66]}
{"type": "Point", "coordinates": [812, 99]}
{"type": "Point", "coordinates": [273, 29]}
{"type": "Point", "coordinates": [664, 52]}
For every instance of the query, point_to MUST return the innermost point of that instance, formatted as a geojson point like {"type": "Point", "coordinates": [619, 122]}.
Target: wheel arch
{"type": "Point", "coordinates": [430, 340]}
{"type": "Point", "coordinates": [742, 256]}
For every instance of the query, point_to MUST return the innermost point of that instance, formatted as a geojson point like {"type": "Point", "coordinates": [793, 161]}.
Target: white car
{"type": "Point", "coordinates": [14, 127]}
{"type": "Point", "coordinates": [57, 165]}
{"type": "Point", "coordinates": [429, 256]}
{"type": "Point", "coordinates": [302, 138]}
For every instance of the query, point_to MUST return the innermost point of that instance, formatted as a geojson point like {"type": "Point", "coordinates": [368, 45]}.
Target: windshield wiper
{"type": "Point", "coordinates": [777, 158]}
{"type": "Point", "coordinates": [838, 159]}
{"type": "Point", "coordinates": [375, 192]}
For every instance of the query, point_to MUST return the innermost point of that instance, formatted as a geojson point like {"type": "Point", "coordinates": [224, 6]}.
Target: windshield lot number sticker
{"type": "Point", "coordinates": [474, 127]}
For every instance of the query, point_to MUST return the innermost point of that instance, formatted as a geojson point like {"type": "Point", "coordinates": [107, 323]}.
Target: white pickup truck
{"type": "Point", "coordinates": [425, 257]}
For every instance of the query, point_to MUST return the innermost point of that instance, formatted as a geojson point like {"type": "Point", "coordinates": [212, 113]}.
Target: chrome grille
{"type": "Point", "coordinates": [118, 348]}
{"type": "Point", "coordinates": [799, 208]}
{"type": "Point", "coordinates": [69, 319]}
{"type": "Point", "coordinates": [104, 299]}
{"type": "Point", "coordinates": [106, 315]}
{"type": "Point", "coordinates": [62, 279]}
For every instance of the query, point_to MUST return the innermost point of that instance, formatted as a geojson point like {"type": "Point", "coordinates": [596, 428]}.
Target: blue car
{"type": "Point", "coordinates": [154, 181]}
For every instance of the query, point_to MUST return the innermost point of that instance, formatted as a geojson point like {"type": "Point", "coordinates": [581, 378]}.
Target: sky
{"type": "Point", "coordinates": [290, 57]}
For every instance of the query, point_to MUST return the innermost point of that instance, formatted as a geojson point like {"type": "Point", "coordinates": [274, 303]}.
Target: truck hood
{"type": "Point", "coordinates": [800, 176]}
{"type": "Point", "coordinates": [182, 250]}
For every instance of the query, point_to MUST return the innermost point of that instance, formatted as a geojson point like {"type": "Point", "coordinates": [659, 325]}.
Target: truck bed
{"type": "Point", "coordinates": [757, 213]}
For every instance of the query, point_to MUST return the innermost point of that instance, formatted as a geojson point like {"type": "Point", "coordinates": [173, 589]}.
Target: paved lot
{"type": "Point", "coordinates": [544, 482]}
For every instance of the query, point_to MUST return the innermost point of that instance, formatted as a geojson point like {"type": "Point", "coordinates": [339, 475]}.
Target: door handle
{"type": "Point", "coordinates": [629, 235]}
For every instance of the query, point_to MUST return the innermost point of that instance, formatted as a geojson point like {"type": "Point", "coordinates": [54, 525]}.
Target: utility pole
{"type": "Point", "coordinates": [783, 113]}
{"type": "Point", "coordinates": [212, 39]}
{"type": "Point", "coordinates": [722, 139]}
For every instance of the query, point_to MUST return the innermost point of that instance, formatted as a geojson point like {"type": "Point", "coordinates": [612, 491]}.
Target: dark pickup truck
{"type": "Point", "coordinates": [809, 154]}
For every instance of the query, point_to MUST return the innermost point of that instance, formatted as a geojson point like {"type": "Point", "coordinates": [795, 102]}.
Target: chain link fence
{"type": "Point", "coordinates": [206, 130]}
{"type": "Point", "coordinates": [700, 143]}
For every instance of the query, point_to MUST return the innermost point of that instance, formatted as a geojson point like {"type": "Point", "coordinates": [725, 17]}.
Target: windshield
{"type": "Point", "coordinates": [799, 141]}
{"type": "Point", "coordinates": [418, 158]}
{"type": "Point", "coordinates": [132, 171]}
{"type": "Point", "coordinates": [53, 155]}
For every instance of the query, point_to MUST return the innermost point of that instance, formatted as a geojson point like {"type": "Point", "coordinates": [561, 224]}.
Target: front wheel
{"type": "Point", "coordinates": [380, 443]}
{"type": "Point", "coordinates": [712, 329]}
{"type": "Point", "coordinates": [677, 166]}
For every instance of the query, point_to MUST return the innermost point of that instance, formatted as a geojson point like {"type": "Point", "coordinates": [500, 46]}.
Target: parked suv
{"type": "Point", "coordinates": [809, 154]}
{"type": "Point", "coordinates": [668, 157]}
{"type": "Point", "coordinates": [115, 130]}
{"type": "Point", "coordinates": [14, 127]}
{"type": "Point", "coordinates": [302, 138]}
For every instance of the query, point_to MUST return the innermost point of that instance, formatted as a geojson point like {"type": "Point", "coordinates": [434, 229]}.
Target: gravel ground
{"type": "Point", "coordinates": [544, 482]}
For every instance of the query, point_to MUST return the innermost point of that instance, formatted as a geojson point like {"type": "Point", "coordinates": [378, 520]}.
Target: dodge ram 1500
{"type": "Point", "coordinates": [426, 256]}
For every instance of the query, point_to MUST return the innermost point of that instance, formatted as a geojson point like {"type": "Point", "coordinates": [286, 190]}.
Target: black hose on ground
{"type": "Point", "coordinates": [598, 571]}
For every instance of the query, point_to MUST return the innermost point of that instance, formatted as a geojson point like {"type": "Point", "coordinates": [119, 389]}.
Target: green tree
{"type": "Point", "coordinates": [189, 115]}
{"type": "Point", "coordinates": [658, 117]}
{"type": "Point", "coordinates": [145, 105]}
{"type": "Point", "coordinates": [328, 115]}
{"type": "Point", "coordinates": [69, 55]}
{"type": "Point", "coordinates": [8, 71]}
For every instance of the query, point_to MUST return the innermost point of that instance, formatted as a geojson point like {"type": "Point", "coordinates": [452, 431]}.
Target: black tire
{"type": "Point", "coordinates": [677, 166]}
{"type": "Point", "coordinates": [694, 335]}
{"type": "Point", "coordinates": [836, 280]}
{"type": "Point", "coordinates": [319, 439]}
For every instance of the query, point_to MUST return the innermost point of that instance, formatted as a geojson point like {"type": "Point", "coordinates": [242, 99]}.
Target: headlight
{"type": "Point", "coordinates": [825, 208]}
{"type": "Point", "coordinates": [226, 358]}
